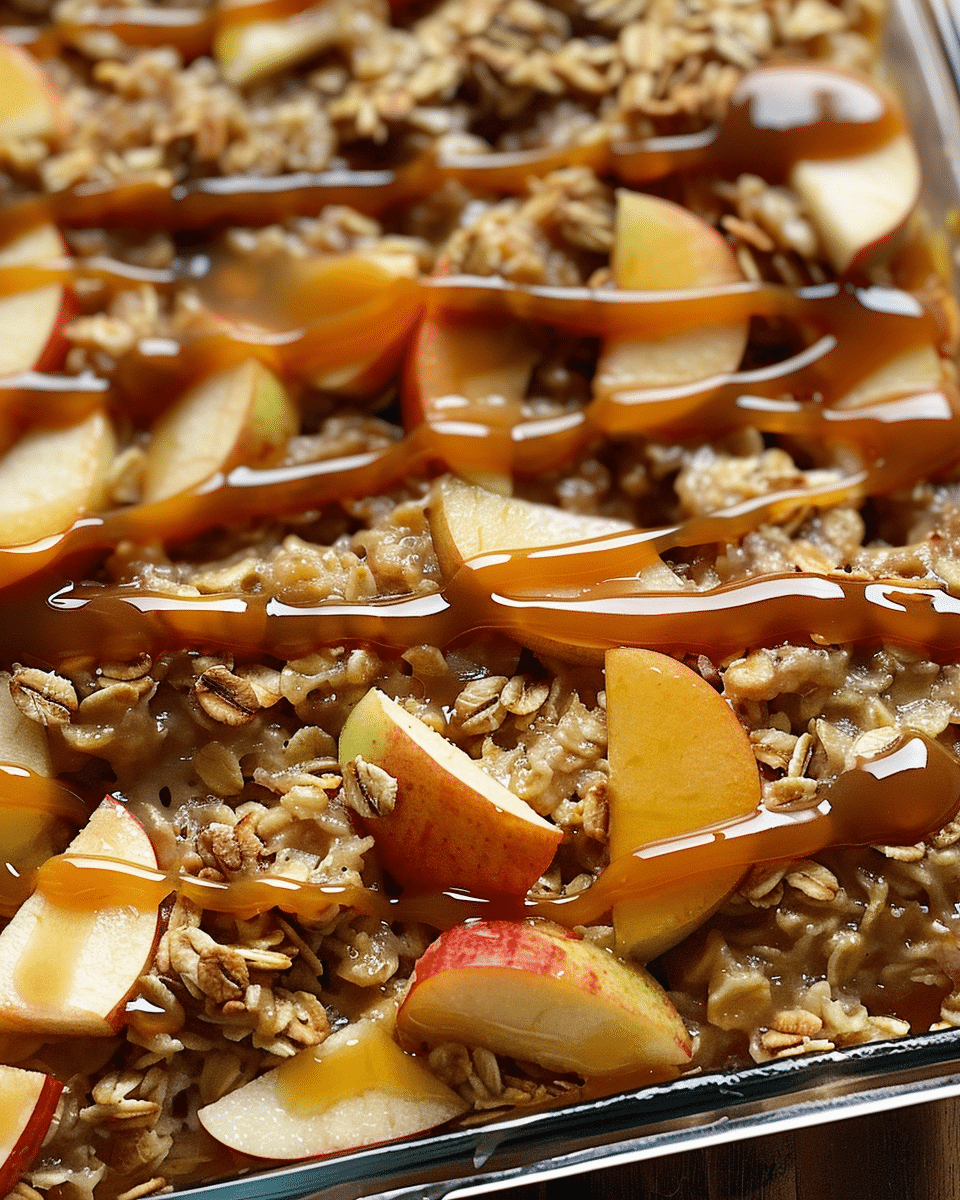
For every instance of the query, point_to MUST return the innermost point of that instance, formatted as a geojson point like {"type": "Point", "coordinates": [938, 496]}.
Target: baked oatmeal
{"type": "Point", "coordinates": [446, 447]}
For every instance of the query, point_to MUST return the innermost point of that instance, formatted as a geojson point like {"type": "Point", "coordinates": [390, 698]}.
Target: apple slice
{"type": "Point", "coordinates": [28, 1101]}
{"type": "Point", "coordinates": [32, 322]}
{"type": "Point", "coordinates": [679, 760]}
{"type": "Point", "coordinates": [661, 246]}
{"type": "Point", "coordinates": [242, 414]}
{"type": "Point", "coordinates": [444, 822]}
{"type": "Point", "coordinates": [50, 477]}
{"type": "Point", "coordinates": [353, 280]}
{"type": "Point", "coordinates": [915, 371]}
{"type": "Point", "coordinates": [541, 994]}
{"type": "Point", "coordinates": [29, 103]}
{"type": "Point", "coordinates": [358, 1088]}
{"type": "Point", "coordinates": [467, 520]}
{"type": "Point", "coordinates": [247, 52]}
{"type": "Point", "coordinates": [68, 969]}
{"type": "Point", "coordinates": [859, 204]}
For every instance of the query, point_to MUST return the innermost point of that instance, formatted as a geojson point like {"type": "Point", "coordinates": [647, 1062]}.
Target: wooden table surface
{"type": "Point", "coordinates": [908, 1154]}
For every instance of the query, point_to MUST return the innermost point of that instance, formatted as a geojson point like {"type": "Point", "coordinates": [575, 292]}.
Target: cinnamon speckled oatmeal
{"type": "Point", "coordinates": [408, 225]}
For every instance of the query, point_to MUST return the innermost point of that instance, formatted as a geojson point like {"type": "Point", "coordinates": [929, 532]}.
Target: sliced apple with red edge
{"type": "Point", "coordinates": [662, 246]}
{"type": "Point", "coordinates": [28, 1101]}
{"type": "Point", "coordinates": [438, 819]}
{"type": "Point", "coordinates": [30, 105]}
{"type": "Point", "coordinates": [356, 1089]}
{"type": "Point", "coordinates": [679, 761]}
{"type": "Point", "coordinates": [466, 379]}
{"type": "Point", "coordinates": [32, 322]}
{"type": "Point", "coordinates": [67, 969]}
{"type": "Point", "coordinates": [539, 993]}
{"type": "Point", "coordinates": [859, 204]}
{"type": "Point", "coordinates": [240, 415]}
{"type": "Point", "coordinates": [52, 476]}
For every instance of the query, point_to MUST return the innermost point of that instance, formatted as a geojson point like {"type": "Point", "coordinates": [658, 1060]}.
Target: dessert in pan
{"type": "Point", "coordinates": [478, 544]}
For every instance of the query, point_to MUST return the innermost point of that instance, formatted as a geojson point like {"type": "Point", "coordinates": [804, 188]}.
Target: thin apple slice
{"type": "Point", "coordinates": [30, 105]}
{"type": "Point", "coordinates": [68, 969]}
{"type": "Point", "coordinates": [242, 414]}
{"type": "Point", "coordinates": [28, 1101]}
{"type": "Point", "coordinates": [661, 246]}
{"type": "Point", "coordinates": [679, 760]}
{"type": "Point", "coordinates": [32, 322]}
{"type": "Point", "coordinates": [50, 477]}
{"type": "Point", "coordinates": [859, 204]}
{"type": "Point", "coordinates": [358, 1088]}
{"type": "Point", "coordinates": [915, 371]}
{"type": "Point", "coordinates": [249, 52]}
{"type": "Point", "coordinates": [349, 278]}
{"type": "Point", "coordinates": [438, 819]}
{"type": "Point", "coordinates": [467, 520]}
{"type": "Point", "coordinates": [541, 994]}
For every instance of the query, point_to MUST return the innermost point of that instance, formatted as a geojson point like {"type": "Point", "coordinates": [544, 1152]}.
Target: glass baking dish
{"type": "Point", "coordinates": [924, 56]}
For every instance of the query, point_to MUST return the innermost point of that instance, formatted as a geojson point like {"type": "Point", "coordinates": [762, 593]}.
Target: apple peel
{"type": "Point", "coordinates": [539, 993]}
{"type": "Point", "coordinates": [28, 1101]}
{"type": "Point", "coordinates": [438, 819]}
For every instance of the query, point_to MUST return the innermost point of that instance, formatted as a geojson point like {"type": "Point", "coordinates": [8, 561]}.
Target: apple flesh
{"type": "Point", "coordinates": [50, 477]}
{"type": "Point", "coordinates": [541, 994]}
{"type": "Point", "coordinates": [858, 205]}
{"type": "Point", "coordinates": [661, 246]}
{"type": "Point", "coordinates": [32, 322]}
{"type": "Point", "coordinates": [451, 824]}
{"type": "Point", "coordinates": [242, 414]}
{"type": "Point", "coordinates": [358, 1088]}
{"type": "Point", "coordinates": [30, 106]}
{"type": "Point", "coordinates": [28, 1101]}
{"type": "Point", "coordinates": [679, 760]}
{"type": "Point", "coordinates": [68, 969]}
{"type": "Point", "coordinates": [467, 521]}
{"type": "Point", "coordinates": [29, 835]}
{"type": "Point", "coordinates": [249, 52]}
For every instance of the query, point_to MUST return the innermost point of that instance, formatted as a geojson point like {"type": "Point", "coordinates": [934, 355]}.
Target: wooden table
{"type": "Point", "coordinates": [909, 1154]}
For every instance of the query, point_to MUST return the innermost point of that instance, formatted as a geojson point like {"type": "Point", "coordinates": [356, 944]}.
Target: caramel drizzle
{"type": "Point", "coordinates": [831, 114]}
{"type": "Point", "coordinates": [898, 798]}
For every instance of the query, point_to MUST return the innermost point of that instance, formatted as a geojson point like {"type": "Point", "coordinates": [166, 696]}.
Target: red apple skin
{"type": "Point", "coordinates": [452, 824]}
{"type": "Point", "coordinates": [17, 1013]}
{"type": "Point", "coordinates": [56, 305]}
{"type": "Point", "coordinates": [534, 991]}
{"type": "Point", "coordinates": [24, 1150]}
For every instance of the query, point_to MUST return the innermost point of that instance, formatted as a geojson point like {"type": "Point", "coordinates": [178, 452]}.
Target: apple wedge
{"type": "Point", "coordinates": [858, 205]}
{"type": "Point", "coordinates": [679, 760]}
{"type": "Point", "coordinates": [50, 477]}
{"type": "Point", "coordinates": [358, 1088]}
{"type": "Point", "coordinates": [242, 414]}
{"type": "Point", "coordinates": [28, 1101]}
{"type": "Point", "coordinates": [438, 819]}
{"type": "Point", "coordinates": [661, 246]}
{"type": "Point", "coordinates": [32, 322]}
{"type": "Point", "coordinates": [541, 994]}
{"type": "Point", "coordinates": [248, 52]}
{"type": "Point", "coordinates": [68, 969]}
{"type": "Point", "coordinates": [467, 520]}
{"type": "Point", "coordinates": [30, 105]}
